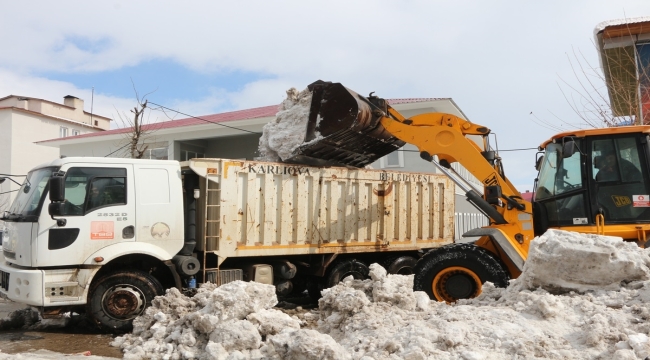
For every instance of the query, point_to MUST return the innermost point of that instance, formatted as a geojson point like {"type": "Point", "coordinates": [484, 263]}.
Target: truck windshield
{"type": "Point", "coordinates": [29, 199]}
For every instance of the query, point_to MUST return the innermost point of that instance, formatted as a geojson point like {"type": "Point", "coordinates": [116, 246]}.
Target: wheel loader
{"type": "Point", "coordinates": [592, 181]}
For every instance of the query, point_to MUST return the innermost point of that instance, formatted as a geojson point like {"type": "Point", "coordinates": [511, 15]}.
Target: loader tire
{"type": "Point", "coordinates": [458, 272]}
{"type": "Point", "coordinates": [345, 268]}
{"type": "Point", "coordinates": [402, 265]}
{"type": "Point", "coordinates": [115, 299]}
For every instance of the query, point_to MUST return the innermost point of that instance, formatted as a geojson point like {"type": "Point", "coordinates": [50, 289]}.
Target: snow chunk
{"type": "Point", "coordinates": [287, 132]}
{"type": "Point", "coordinates": [561, 261]}
{"type": "Point", "coordinates": [306, 345]}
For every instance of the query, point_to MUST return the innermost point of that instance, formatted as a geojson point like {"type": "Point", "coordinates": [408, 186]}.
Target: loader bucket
{"type": "Point", "coordinates": [344, 129]}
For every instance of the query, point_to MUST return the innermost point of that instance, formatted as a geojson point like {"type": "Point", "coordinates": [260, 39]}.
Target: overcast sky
{"type": "Point", "coordinates": [499, 60]}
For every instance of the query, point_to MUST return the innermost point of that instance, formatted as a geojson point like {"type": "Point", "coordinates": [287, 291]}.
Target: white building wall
{"type": "Point", "coordinates": [19, 152]}
{"type": "Point", "coordinates": [5, 157]}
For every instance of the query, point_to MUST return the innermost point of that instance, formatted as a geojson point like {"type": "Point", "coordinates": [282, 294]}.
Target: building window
{"type": "Point", "coordinates": [187, 155]}
{"type": "Point", "coordinates": [63, 131]}
{"type": "Point", "coordinates": [157, 154]}
{"type": "Point", "coordinates": [393, 160]}
{"type": "Point", "coordinates": [75, 132]}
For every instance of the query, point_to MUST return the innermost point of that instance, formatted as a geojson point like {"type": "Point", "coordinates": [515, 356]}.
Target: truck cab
{"type": "Point", "coordinates": [112, 213]}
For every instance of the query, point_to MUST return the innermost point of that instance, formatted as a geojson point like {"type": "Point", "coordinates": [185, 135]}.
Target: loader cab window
{"type": "Point", "coordinates": [88, 189]}
{"type": "Point", "coordinates": [561, 192]}
{"type": "Point", "coordinates": [617, 178]}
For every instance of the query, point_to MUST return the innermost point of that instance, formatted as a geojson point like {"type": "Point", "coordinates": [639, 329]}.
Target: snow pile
{"type": "Point", "coordinates": [559, 261]}
{"type": "Point", "coordinates": [599, 308]}
{"type": "Point", "coordinates": [235, 320]}
{"type": "Point", "coordinates": [280, 137]}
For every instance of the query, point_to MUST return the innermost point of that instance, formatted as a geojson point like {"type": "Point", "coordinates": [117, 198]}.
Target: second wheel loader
{"type": "Point", "coordinates": [593, 181]}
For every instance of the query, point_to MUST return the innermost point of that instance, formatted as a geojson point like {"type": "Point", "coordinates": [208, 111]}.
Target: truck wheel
{"type": "Point", "coordinates": [458, 272]}
{"type": "Point", "coordinates": [116, 299]}
{"type": "Point", "coordinates": [345, 268]}
{"type": "Point", "coordinates": [402, 265]}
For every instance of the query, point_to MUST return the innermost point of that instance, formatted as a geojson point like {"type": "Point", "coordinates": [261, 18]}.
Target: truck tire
{"type": "Point", "coordinates": [402, 265]}
{"type": "Point", "coordinates": [458, 272]}
{"type": "Point", "coordinates": [115, 299]}
{"type": "Point", "coordinates": [345, 268]}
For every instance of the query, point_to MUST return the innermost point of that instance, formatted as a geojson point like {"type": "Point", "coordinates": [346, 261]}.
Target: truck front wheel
{"type": "Point", "coordinates": [458, 272]}
{"type": "Point", "coordinates": [117, 298]}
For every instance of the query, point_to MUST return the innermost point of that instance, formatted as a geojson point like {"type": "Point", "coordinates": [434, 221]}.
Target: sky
{"type": "Point", "coordinates": [507, 64]}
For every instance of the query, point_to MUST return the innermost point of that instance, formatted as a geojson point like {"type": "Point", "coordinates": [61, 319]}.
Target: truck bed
{"type": "Point", "coordinates": [251, 208]}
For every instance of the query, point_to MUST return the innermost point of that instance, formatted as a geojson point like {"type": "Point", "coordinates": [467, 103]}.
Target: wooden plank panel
{"type": "Point", "coordinates": [389, 213]}
{"type": "Point", "coordinates": [336, 209]}
{"type": "Point", "coordinates": [414, 211]}
{"type": "Point", "coordinates": [255, 195]}
{"type": "Point", "coordinates": [425, 197]}
{"type": "Point", "coordinates": [270, 209]}
{"type": "Point", "coordinates": [301, 212]}
{"type": "Point", "coordinates": [436, 206]}
{"type": "Point", "coordinates": [350, 214]}
{"type": "Point", "coordinates": [363, 211]}
{"type": "Point", "coordinates": [401, 213]}
{"type": "Point", "coordinates": [287, 189]}
{"type": "Point", "coordinates": [376, 212]}
{"type": "Point", "coordinates": [321, 233]}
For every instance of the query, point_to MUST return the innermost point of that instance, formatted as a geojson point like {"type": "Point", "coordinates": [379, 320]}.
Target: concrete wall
{"type": "Point", "coordinates": [234, 147]}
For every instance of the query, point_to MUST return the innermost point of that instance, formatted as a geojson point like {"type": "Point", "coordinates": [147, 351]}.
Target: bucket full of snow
{"type": "Point", "coordinates": [344, 128]}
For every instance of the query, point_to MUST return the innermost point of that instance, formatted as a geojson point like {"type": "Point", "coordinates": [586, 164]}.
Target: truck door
{"type": "Point", "coordinates": [99, 211]}
{"type": "Point", "coordinates": [159, 199]}
{"type": "Point", "coordinates": [619, 178]}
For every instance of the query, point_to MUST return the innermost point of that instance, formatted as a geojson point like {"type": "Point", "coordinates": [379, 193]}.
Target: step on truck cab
{"type": "Point", "coordinates": [106, 235]}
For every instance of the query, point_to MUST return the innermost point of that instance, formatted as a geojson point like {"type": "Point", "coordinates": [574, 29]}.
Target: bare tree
{"type": "Point", "coordinates": [140, 129]}
{"type": "Point", "coordinates": [612, 94]}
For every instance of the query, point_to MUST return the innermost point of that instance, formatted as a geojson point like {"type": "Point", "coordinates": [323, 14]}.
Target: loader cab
{"type": "Point", "coordinates": [595, 172]}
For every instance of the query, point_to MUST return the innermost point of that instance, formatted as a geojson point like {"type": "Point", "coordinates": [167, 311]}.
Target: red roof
{"type": "Point", "coordinates": [528, 196]}
{"type": "Point", "coordinates": [254, 113]}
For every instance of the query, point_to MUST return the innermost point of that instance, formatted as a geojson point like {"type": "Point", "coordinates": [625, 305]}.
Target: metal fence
{"type": "Point", "coordinates": [464, 222]}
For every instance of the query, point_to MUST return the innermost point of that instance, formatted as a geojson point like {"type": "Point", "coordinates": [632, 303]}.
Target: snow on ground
{"type": "Point", "coordinates": [579, 297]}
{"type": "Point", "coordinates": [280, 137]}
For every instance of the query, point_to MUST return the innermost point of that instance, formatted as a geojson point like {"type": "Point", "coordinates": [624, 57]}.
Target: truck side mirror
{"type": "Point", "coordinates": [568, 149]}
{"type": "Point", "coordinates": [57, 189]}
{"type": "Point", "coordinates": [57, 209]}
{"type": "Point", "coordinates": [539, 162]}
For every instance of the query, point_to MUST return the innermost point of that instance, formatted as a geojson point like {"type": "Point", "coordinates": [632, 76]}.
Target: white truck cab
{"type": "Point", "coordinates": [50, 261]}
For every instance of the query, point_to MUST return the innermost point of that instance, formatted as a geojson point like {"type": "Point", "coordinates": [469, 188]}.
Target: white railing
{"type": "Point", "coordinates": [464, 222]}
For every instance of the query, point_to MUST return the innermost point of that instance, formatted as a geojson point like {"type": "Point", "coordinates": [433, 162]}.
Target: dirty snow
{"type": "Point", "coordinates": [286, 132]}
{"type": "Point", "coordinates": [579, 297]}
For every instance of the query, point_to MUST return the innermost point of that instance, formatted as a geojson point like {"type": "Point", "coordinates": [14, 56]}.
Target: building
{"type": "Point", "coordinates": [235, 135]}
{"type": "Point", "coordinates": [25, 121]}
{"type": "Point", "coordinates": [624, 53]}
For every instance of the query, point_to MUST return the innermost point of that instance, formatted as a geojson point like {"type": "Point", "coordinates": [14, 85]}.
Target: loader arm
{"type": "Point", "coordinates": [347, 129]}
{"type": "Point", "coordinates": [446, 136]}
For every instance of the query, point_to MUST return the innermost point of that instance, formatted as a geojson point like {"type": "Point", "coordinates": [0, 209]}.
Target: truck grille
{"type": "Point", "coordinates": [4, 280]}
